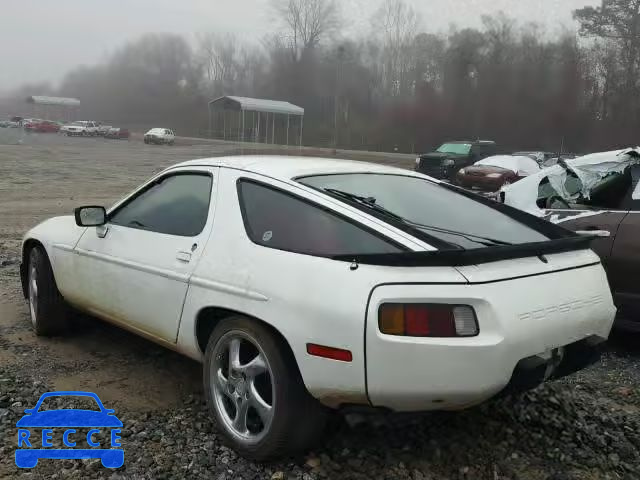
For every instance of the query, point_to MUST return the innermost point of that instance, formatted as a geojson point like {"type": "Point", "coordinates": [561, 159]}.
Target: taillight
{"type": "Point", "coordinates": [427, 320]}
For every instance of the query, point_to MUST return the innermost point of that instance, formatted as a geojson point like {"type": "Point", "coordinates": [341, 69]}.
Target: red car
{"type": "Point", "coordinates": [492, 173]}
{"type": "Point", "coordinates": [43, 126]}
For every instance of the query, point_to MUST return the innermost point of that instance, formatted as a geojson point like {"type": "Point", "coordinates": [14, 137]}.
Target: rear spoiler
{"type": "Point", "coordinates": [476, 256]}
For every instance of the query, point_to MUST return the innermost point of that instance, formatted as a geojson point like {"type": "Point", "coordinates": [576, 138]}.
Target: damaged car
{"type": "Point", "coordinates": [597, 195]}
{"type": "Point", "coordinates": [308, 285]}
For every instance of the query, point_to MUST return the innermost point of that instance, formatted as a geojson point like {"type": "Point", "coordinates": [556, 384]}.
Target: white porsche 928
{"type": "Point", "coordinates": [306, 285]}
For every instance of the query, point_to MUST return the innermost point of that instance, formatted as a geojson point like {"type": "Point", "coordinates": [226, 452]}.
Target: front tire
{"type": "Point", "coordinates": [47, 308]}
{"type": "Point", "coordinates": [256, 394]}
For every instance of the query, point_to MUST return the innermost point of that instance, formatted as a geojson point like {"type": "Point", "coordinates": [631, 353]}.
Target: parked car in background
{"type": "Point", "coordinates": [160, 136]}
{"type": "Point", "coordinates": [43, 126]}
{"type": "Point", "coordinates": [598, 195]}
{"type": "Point", "coordinates": [405, 268]}
{"type": "Point", "coordinates": [450, 157]}
{"type": "Point", "coordinates": [103, 129]}
{"type": "Point", "coordinates": [539, 157]}
{"type": "Point", "coordinates": [546, 159]}
{"type": "Point", "coordinates": [12, 122]}
{"type": "Point", "coordinates": [80, 128]}
{"type": "Point", "coordinates": [26, 121]}
{"type": "Point", "coordinates": [118, 133]}
{"type": "Point", "coordinates": [492, 173]}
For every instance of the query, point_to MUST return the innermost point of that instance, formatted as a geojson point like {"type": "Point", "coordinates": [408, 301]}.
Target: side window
{"type": "Point", "coordinates": [279, 220]}
{"type": "Point", "coordinates": [175, 205]}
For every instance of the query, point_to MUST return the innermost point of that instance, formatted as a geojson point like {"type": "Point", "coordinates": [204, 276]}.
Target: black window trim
{"type": "Point", "coordinates": [152, 184]}
{"type": "Point", "coordinates": [249, 232]}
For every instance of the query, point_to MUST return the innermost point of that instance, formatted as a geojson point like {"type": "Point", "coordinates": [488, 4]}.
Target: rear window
{"type": "Point", "coordinates": [429, 208]}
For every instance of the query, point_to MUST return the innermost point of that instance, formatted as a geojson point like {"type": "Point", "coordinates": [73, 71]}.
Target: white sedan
{"type": "Point", "coordinates": [160, 136]}
{"type": "Point", "coordinates": [306, 285]}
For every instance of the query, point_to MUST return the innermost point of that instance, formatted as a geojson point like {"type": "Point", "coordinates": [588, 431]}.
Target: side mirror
{"type": "Point", "coordinates": [90, 216]}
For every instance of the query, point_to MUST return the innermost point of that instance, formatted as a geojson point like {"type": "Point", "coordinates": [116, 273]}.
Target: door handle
{"type": "Point", "coordinates": [184, 256]}
{"type": "Point", "coordinates": [594, 233]}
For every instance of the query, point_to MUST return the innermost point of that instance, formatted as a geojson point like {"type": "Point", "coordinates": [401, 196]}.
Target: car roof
{"type": "Point", "coordinates": [290, 167]}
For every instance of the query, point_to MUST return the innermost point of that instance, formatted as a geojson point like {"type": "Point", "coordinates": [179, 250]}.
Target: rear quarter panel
{"type": "Point", "coordinates": [306, 299]}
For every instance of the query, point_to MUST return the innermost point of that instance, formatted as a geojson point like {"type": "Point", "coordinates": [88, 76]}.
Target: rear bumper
{"type": "Point", "coordinates": [525, 324]}
{"type": "Point", "coordinates": [481, 183]}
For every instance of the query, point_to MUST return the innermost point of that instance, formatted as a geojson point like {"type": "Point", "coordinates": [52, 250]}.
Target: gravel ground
{"type": "Point", "coordinates": [584, 427]}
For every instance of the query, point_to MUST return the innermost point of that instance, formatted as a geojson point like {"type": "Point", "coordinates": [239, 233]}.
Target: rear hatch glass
{"type": "Point", "coordinates": [457, 223]}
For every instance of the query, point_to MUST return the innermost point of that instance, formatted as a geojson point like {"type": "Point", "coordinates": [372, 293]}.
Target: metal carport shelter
{"type": "Point", "coordinates": [65, 108]}
{"type": "Point", "coordinates": [225, 107]}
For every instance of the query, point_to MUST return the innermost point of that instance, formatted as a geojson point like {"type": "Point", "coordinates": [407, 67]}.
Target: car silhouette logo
{"type": "Point", "coordinates": [67, 419]}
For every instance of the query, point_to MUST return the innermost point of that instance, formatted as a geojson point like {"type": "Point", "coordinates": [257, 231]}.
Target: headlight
{"type": "Point", "coordinates": [448, 162]}
{"type": "Point", "coordinates": [494, 175]}
{"type": "Point", "coordinates": [462, 171]}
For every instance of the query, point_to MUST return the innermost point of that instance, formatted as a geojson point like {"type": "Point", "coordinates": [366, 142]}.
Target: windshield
{"type": "Point", "coordinates": [455, 148]}
{"type": "Point", "coordinates": [431, 208]}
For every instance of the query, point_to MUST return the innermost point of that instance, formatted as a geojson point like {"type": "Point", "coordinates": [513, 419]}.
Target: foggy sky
{"type": "Point", "coordinates": [43, 39]}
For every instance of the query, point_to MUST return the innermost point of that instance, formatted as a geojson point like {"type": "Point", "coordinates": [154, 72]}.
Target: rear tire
{"type": "Point", "coordinates": [47, 308]}
{"type": "Point", "coordinates": [294, 420]}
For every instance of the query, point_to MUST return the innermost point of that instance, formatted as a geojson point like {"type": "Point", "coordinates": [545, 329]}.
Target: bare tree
{"type": "Point", "coordinates": [308, 21]}
{"type": "Point", "coordinates": [220, 56]}
{"type": "Point", "coordinates": [617, 20]}
{"type": "Point", "coordinates": [396, 24]}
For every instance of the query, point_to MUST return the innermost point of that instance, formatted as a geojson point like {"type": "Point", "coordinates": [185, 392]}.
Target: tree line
{"type": "Point", "coordinates": [397, 87]}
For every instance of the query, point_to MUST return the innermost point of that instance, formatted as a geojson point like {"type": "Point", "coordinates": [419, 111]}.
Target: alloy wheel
{"type": "Point", "coordinates": [33, 293]}
{"type": "Point", "coordinates": [242, 387]}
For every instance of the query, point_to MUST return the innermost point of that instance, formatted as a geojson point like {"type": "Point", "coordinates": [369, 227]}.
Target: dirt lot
{"type": "Point", "coordinates": [585, 427]}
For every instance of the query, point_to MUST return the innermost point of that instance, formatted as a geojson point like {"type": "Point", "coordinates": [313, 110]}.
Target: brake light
{"type": "Point", "coordinates": [427, 320]}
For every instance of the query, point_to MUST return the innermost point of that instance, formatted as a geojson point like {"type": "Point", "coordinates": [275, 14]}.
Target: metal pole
{"type": "Point", "coordinates": [209, 108]}
{"type": "Point", "coordinates": [239, 118]}
{"type": "Point", "coordinates": [224, 124]}
{"type": "Point", "coordinates": [258, 136]}
{"type": "Point", "coordinates": [301, 129]}
{"type": "Point", "coordinates": [243, 125]}
{"type": "Point", "coordinates": [273, 129]}
{"type": "Point", "coordinates": [287, 129]}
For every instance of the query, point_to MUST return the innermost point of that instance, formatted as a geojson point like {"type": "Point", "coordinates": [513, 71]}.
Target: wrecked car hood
{"type": "Point", "coordinates": [590, 170]}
